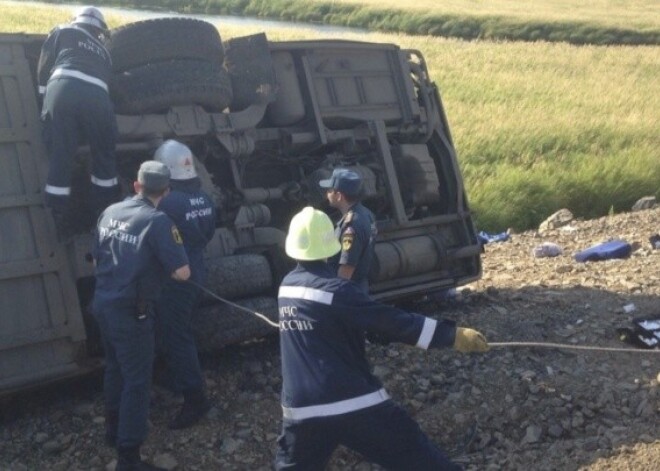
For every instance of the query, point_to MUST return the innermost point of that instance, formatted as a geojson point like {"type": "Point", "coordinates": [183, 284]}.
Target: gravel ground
{"type": "Point", "coordinates": [510, 409]}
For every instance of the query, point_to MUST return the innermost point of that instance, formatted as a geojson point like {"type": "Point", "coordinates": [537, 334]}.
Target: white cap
{"type": "Point", "coordinates": [89, 16]}
{"type": "Point", "coordinates": [178, 158]}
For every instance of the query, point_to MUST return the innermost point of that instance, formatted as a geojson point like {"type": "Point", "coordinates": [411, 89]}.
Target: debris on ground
{"type": "Point", "coordinates": [547, 249]}
{"type": "Point", "coordinates": [512, 409]}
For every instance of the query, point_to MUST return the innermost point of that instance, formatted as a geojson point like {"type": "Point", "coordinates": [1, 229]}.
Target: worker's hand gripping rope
{"type": "Point", "coordinates": [470, 340]}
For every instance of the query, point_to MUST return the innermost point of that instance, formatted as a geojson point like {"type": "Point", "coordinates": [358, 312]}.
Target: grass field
{"type": "Point", "coordinates": [537, 126]}
{"type": "Point", "coordinates": [631, 22]}
{"type": "Point", "coordinates": [639, 14]}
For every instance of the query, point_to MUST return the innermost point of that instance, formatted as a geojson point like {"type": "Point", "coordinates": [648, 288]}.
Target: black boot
{"type": "Point", "coordinates": [195, 406]}
{"type": "Point", "coordinates": [129, 460]}
{"type": "Point", "coordinates": [111, 424]}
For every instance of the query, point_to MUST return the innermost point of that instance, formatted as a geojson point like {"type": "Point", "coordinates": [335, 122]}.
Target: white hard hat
{"type": "Point", "coordinates": [178, 158]}
{"type": "Point", "coordinates": [89, 16]}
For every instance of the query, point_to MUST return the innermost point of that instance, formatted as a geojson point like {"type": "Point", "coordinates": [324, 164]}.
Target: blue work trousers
{"type": "Point", "coordinates": [384, 434]}
{"type": "Point", "coordinates": [76, 112]}
{"type": "Point", "coordinates": [175, 336]}
{"type": "Point", "coordinates": [129, 355]}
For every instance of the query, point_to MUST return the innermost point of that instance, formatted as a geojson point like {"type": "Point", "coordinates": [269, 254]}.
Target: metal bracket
{"type": "Point", "coordinates": [188, 120]}
{"type": "Point", "coordinates": [385, 155]}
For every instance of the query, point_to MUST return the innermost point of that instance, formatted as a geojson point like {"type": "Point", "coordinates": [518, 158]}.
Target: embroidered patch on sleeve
{"type": "Point", "coordinates": [347, 241]}
{"type": "Point", "coordinates": [176, 235]}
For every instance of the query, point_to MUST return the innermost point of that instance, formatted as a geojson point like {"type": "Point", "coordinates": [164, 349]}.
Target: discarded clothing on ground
{"type": "Point", "coordinates": [645, 333]}
{"type": "Point", "coordinates": [605, 251]}
{"type": "Point", "coordinates": [485, 238]}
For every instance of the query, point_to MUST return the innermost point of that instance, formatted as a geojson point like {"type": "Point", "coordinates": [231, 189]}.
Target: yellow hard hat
{"type": "Point", "coordinates": [311, 236]}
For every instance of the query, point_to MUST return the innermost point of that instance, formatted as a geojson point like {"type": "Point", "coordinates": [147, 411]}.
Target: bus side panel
{"type": "Point", "coordinates": [41, 328]}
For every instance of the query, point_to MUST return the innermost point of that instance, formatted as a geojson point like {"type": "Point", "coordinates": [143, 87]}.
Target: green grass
{"type": "Point", "coordinates": [638, 14]}
{"type": "Point", "coordinates": [537, 126]}
{"type": "Point", "coordinates": [29, 19]}
{"type": "Point", "coordinates": [594, 22]}
{"type": "Point", "coordinates": [545, 126]}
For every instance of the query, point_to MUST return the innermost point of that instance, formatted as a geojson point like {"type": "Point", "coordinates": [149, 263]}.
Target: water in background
{"type": "Point", "coordinates": [138, 15]}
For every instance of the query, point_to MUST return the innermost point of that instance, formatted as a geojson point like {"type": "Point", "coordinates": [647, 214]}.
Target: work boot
{"type": "Point", "coordinates": [111, 424]}
{"type": "Point", "coordinates": [195, 406]}
{"type": "Point", "coordinates": [129, 460]}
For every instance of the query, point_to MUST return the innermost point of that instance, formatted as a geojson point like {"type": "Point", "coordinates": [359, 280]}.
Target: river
{"type": "Point", "coordinates": [138, 15]}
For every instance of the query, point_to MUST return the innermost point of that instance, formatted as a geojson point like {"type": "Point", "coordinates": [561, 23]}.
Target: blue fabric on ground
{"type": "Point", "coordinates": [485, 238]}
{"type": "Point", "coordinates": [605, 251]}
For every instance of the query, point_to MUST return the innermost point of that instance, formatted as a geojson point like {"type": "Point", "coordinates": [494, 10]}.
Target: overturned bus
{"type": "Point", "coordinates": [266, 121]}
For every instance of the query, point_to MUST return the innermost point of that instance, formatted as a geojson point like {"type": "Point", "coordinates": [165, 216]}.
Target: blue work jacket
{"type": "Point", "coordinates": [356, 231]}
{"type": "Point", "coordinates": [136, 248]}
{"type": "Point", "coordinates": [323, 320]}
{"type": "Point", "coordinates": [193, 212]}
{"type": "Point", "coordinates": [72, 51]}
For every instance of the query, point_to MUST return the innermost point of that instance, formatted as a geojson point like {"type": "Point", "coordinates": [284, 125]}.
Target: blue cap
{"type": "Point", "coordinates": [346, 181]}
{"type": "Point", "coordinates": [154, 176]}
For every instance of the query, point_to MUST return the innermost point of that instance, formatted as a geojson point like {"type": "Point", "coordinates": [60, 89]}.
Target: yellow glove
{"type": "Point", "coordinates": [470, 340]}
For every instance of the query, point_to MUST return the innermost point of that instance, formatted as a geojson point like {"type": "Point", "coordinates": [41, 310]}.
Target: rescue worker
{"type": "Point", "coordinates": [136, 246]}
{"type": "Point", "coordinates": [194, 214]}
{"type": "Point", "coordinates": [73, 73]}
{"type": "Point", "coordinates": [356, 230]}
{"type": "Point", "coordinates": [329, 395]}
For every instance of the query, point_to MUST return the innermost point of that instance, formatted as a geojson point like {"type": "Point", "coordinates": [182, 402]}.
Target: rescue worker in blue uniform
{"type": "Point", "coordinates": [329, 395]}
{"type": "Point", "coordinates": [356, 230]}
{"type": "Point", "coordinates": [136, 248]}
{"type": "Point", "coordinates": [73, 73]}
{"type": "Point", "coordinates": [193, 212]}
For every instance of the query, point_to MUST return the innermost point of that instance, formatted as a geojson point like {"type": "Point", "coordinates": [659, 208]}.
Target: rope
{"type": "Point", "coordinates": [491, 344]}
{"type": "Point", "coordinates": [237, 306]}
{"type": "Point", "coordinates": [567, 346]}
